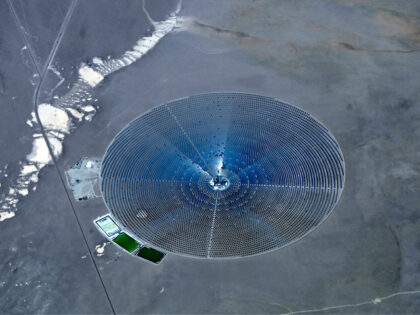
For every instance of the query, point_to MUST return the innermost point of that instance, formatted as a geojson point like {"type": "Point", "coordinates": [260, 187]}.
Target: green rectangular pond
{"type": "Point", "coordinates": [151, 254]}
{"type": "Point", "coordinates": [126, 242]}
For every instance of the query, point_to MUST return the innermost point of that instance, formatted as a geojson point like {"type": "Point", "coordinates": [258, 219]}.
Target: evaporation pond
{"type": "Point", "coordinates": [151, 254]}
{"type": "Point", "coordinates": [108, 226]}
{"type": "Point", "coordinates": [126, 242]}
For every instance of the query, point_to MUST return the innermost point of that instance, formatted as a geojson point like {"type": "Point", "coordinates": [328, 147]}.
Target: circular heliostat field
{"type": "Point", "coordinates": [222, 175]}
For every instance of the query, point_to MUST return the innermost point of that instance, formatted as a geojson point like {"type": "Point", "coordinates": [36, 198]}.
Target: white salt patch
{"type": "Point", "coordinates": [23, 191]}
{"type": "Point", "coordinates": [54, 118]}
{"type": "Point", "coordinates": [90, 76]}
{"type": "Point", "coordinates": [75, 113]}
{"type": "Point", "coordinates": [29, 122]}
{"type": "Point", "coordinates": [28, 169]}
{"type": "Point", "coordinates": [4, 215]}
{"type": "Point", "coordinates": [11, 191]}
{"type": "Point", "coordinates": [9, 198]}
{"type": "Point", "coordinates": [56, 134]}
{"type": "Point", "coordinates": [97, 61]}
{"type": "Point", "coordinates": [89, 117]}
{"type": "Point", "coordinates": [57, 146]}
{"type": "Point", "coordinates": [40, 153]}
{"type": "Point", "coordinates": [88, 108]}
{"type": "Point", "coordinates": [34, 178]}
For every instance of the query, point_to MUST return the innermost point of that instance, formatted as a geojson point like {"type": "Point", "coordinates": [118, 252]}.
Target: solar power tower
{"type": "Point", "coordinates": [222, 175]}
